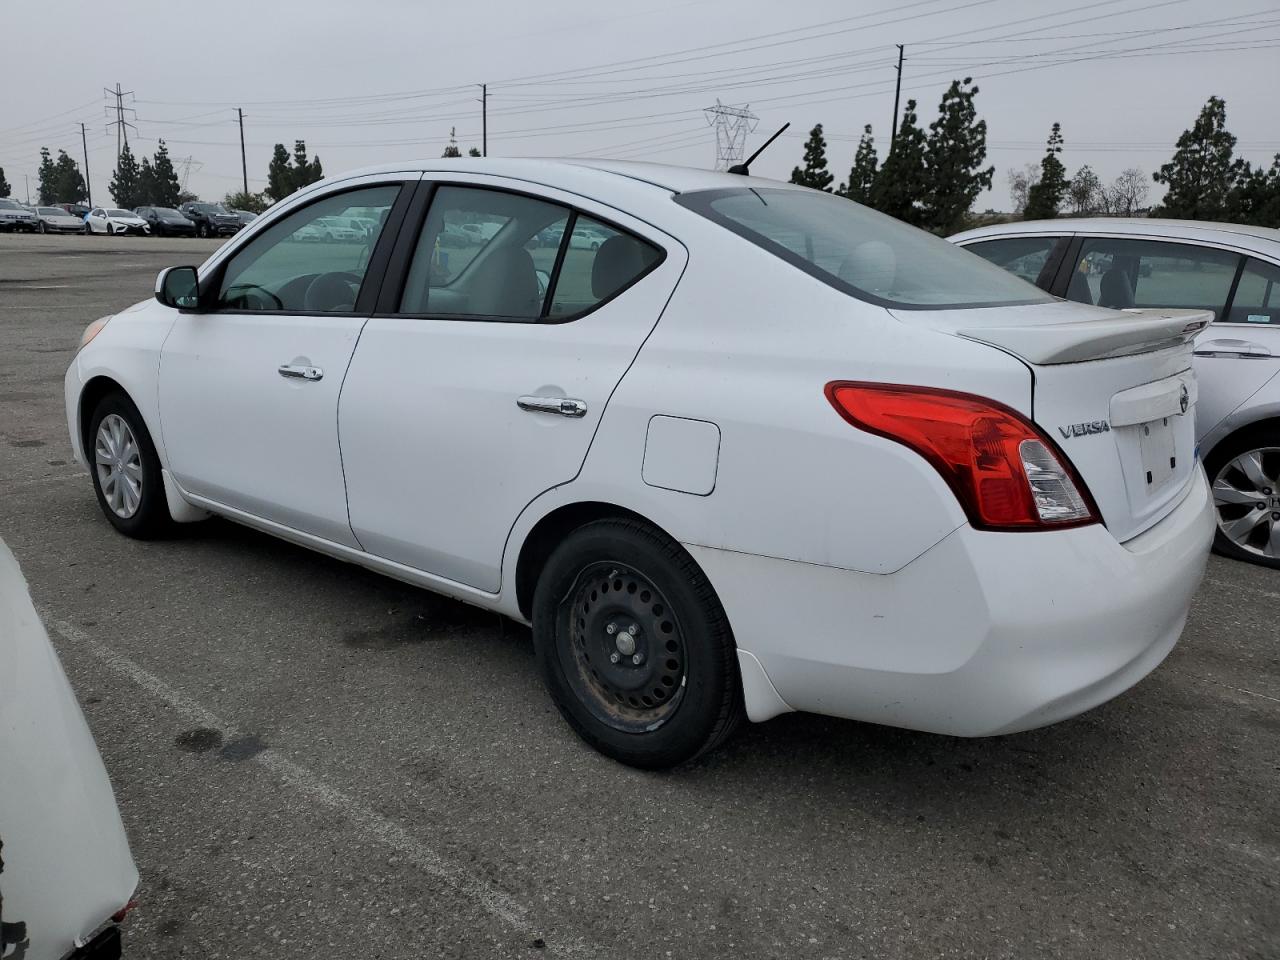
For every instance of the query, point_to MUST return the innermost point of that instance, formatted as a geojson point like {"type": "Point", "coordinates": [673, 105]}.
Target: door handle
{"type": "Point", "coordinates": [1245, 349]}
{"type": "Point", "coordinates": [562, 406]}
{"type": "Point", "coordinates": [296, 371]}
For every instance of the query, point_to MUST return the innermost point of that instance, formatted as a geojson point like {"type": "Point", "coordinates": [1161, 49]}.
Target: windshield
{"type": "Point", "coordinates": [121, 213]}
{"type": "Point", "coordinates": [9, 205]}
{"type": "Point", "coordinates": [52, 212]}
{"type": "Point", "coordinates": [861, 252]}
{"type": "Point", "coordinates": [166, 212]}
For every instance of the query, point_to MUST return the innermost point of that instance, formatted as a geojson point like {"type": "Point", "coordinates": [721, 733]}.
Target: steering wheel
{"type": "Point", "coordinates": [255, 297]}
{"type": "Point", "coordinates": [331, 291]}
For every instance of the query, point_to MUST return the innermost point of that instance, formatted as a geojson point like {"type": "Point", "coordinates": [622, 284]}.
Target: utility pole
{"type": "Point", "coordinates": [27, 180]}
{"type": "Point", "coordinates": [484, 119]}
{"type": "Point", "coordinates": [87, 185]}
{"type": "Point", "coordinates": [244, 165]}
{"type": "Point", "coordinates": [897, 94]}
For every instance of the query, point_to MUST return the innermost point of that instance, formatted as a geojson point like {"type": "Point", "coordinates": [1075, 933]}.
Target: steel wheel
{"type": "Point", "coordinates": [626, 658]}
{"type": "Point", "coordinates": [118, 462]}
{"type": "Point", "coordinates": [1246, 492]}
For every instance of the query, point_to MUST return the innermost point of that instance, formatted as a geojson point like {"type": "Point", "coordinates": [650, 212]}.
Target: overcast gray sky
{"type": "Point", "coordinates": [378, 80]}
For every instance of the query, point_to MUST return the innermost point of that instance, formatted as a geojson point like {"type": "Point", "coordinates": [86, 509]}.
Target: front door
{"type": "Point", "coordinates": [248, 387]}
{"type": "Point", "coordinates": [480, 384]}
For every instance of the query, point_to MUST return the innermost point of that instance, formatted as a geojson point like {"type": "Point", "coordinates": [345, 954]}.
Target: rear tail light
{"type": "Point", "coordinates": [1006, 473]}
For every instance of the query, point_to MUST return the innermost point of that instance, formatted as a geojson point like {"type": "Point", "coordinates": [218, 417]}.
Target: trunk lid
{"type": "Point", "coordinates": [1113, 390]}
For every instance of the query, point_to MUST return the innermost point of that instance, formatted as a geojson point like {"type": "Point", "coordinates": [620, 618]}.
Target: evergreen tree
{"type": "Point", "coordinates": [901, 182]}
{"type": "Point", "coordinates": [862, 176]}
{"type": "Point", "coordinates": [1202, 170]}
{"type": "Point", "coordinates": [815, 173]}
{"type": "Point", "coordinates": [954, 152]}
{"type": "Point", "coordinates": [473, 152]}
{"type": "Point", "coordinates": [126, 180]}
{"type": "Point", "coordinates": [48, 190]}
{"type": "Point", "coordinates": [1045, 197]}
{"type": "Point", "coordinates": [279, 174]}
{"type": "Point", "coordinates": [1084, 191]}
{"type": "Point", "coordinates": [165, 185]}
{"type": "Point", "coordinates": [1255, 197]}
{"type": "Point", "coordinates": [304, 171]}
{"type": "Point", "coordinates": [5, 189]}
{"type": "Point", "coordinates": [71, 186]}
{"type": "Point", "coordinates": [452, 149]}
{"type": "Point", "coordinates": [146, 184]}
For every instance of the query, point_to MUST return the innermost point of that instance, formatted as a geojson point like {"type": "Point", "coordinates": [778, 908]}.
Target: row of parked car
{"type": "Point", "coordinates": [194, 219]}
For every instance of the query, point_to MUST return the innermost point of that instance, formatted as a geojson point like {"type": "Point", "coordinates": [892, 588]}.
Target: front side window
{"type": "Point", "coordinates": [503, 256]}
{"type": "Point", "coordinates": [300, 264]}
{"type": "Point", "coordinates": [1121, 274]}
{"type": "Point", "coordinates": [1024, 257]}
{"type": "Point", "coordinates": [1257, 298]}
{"type": "Point", "coordinates": [859, 251]}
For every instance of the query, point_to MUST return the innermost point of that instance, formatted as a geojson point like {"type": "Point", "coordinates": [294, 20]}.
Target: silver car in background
{"type": "Point", "coordinates": [1230, 269]}
{"type": "Point", "coordinates": [14, 216]}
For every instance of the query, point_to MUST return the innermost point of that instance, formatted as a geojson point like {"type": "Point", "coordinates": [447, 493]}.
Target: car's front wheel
{"type": "Point", "coordinates": [1245, 473]}
{"type": "Point", "coordinates": [634, 645]}
{"type": "Point", "coordinates": [126, 469]}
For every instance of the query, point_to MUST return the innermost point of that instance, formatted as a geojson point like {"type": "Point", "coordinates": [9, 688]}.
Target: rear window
{"type": "Point", "coordinates": [861, 252]}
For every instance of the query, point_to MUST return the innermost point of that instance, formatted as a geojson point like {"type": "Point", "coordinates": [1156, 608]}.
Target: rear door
{"type": "Point", "coordinates": [480, 381]}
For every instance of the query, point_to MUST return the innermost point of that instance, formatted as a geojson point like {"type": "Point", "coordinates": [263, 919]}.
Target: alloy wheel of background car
{"type": "Point", "coordinates": [634, 645]}
{"type": "Point", "coordinates": [126, 469]}
{"type": "Point", "coordinates": [1246, 493]}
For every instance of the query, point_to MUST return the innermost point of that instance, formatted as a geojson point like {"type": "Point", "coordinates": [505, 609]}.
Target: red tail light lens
{"type": "Point", "coordinates": [1006, 473]}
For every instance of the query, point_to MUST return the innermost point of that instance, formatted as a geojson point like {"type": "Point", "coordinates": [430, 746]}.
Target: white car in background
{"type": "Point", "coordinates": [113, 221]}
{"type": "Point", "coordinates": [761, 450]}
{"type": "Point", "coordinates": [66, 874]}
{"type": "Point", "coordinates": [1230, 270]}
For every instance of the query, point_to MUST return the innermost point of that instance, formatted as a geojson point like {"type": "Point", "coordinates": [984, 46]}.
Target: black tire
{"type": "Point", "coordinates": [111, 229]}
{"type": "Point", "coordinates": [1255, 438]}
{"type": "Point", "coordinates": [202, 231]}
{"type": "Point", "coordinates": [42, 227]}
{"type": "Point", "coordinates": [689, 635]}
{"type": "Point", "coordinates": [88, 232]}
{"type": "Point", "coordinates": [151, 518]}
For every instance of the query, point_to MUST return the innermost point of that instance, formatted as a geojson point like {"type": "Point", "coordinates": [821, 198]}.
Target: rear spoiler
{"type": "Point", "coordinates": [1122, 334]}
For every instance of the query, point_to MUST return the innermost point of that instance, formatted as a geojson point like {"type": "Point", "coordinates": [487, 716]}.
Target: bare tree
{"type": "Point", "coordinates": [1084, 192]}
{"type": "Point", "coordinates": [1128, 193]}
{"type": "Point", "coordinates": [1020, 184]}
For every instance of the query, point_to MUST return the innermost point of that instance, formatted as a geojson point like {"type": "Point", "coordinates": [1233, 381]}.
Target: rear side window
{"type": "Point", "coordinates": [860, 251]}
{"type": "Point", "coordinates": [1257, 298]}
{"type": "Point", "coordinates": [1024, 257]}
{"type": "Point", "coordinates": [1121, 273]}
{"type": "Point", "coordinates": [495, 255]}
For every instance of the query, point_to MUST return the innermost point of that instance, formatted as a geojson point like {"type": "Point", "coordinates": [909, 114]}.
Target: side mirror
{"type": "Point", "coordinates": [178, 287]}
{"type": "Point", "coordinates": [544, 281]}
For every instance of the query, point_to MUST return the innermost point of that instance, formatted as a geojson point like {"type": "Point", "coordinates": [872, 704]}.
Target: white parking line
{"type": "Point", "coordinates": [471, 887]}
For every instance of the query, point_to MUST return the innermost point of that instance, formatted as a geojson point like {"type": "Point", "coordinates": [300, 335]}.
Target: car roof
{"type": "Point", "coordinates": [576, 174]}
{"type": "Point", "coordinates": [1262, 239]}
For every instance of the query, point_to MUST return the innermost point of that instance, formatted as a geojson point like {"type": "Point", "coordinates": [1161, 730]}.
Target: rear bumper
{"type": "Point", "coordinates": [986, 633]}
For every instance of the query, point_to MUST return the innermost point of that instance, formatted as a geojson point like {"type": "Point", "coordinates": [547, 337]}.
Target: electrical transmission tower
{"type": "Point", "coordinates": [186, 165]}
{"type": "Point", "coordinates": [122, 125]}
{"type": "Point", "coordinates": [732, 126]}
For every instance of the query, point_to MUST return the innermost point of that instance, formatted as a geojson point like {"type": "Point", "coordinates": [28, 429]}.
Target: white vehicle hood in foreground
{"type": "Point", "coordinates": [67, 866]}
{"type": "Point", "coordinates": [1114, 390]}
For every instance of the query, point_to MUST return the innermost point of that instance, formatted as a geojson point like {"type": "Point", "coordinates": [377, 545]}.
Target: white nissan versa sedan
{"type": "Point", "coordinates": [758, 449]}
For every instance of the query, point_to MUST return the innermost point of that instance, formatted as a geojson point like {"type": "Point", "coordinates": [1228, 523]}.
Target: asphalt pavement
{"type": "Point", "coordinates": [312, 760]}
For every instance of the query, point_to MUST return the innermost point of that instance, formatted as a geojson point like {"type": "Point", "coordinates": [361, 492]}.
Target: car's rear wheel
{"type": "Point", "coordinates": [126, 469]}
{"type": "Point", "coordinates": [634, 645]}
{"type": "Point", "coordinates": [1245, 473]}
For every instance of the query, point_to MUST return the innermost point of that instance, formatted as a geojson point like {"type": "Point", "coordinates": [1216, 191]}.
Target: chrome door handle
{"type": "Point", "coordinates": [563, 406]}
{"type": "Point", "coordinates": [1244, 349]}
{"type": "Point", "coordinates": [297, 371]}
